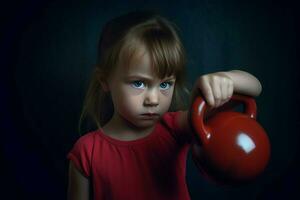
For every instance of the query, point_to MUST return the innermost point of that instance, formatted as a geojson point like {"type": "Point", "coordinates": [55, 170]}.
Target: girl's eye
{"type": "Point", "coordinates": [137, 84]}
{"type": "Point", "coordinates": [165, 85]}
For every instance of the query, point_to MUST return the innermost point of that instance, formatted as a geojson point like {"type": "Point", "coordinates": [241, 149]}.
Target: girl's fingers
{"type": "Point", "coordinates": [216, 90]}
{"type": "Point", "coordinates": [224, 90]}
{"type": "Point", "coordinates": [207, 91]}
{"type": "Point", "coordinates": [230, 90]}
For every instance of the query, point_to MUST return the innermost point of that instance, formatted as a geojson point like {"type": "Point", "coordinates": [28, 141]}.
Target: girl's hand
{"type": "Point", "coordinates": [217, 88]}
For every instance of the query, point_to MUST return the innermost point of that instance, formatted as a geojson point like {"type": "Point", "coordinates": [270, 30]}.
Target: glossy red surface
{"type": "Point", "coordinates": [235, 148]}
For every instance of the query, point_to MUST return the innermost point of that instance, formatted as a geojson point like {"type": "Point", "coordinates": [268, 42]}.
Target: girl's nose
{"type": "Point", "coordinates": [151, 98]}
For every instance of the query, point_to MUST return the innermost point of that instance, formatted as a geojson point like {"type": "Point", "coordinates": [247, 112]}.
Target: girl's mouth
{"type": "Point", "coordinates": [149, 115]}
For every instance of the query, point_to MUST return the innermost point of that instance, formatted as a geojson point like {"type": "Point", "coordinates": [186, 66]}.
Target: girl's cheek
{"type": "Point", "coordinates": [133, 91]}
{"type": "Point", "coordinates": [167, 93]}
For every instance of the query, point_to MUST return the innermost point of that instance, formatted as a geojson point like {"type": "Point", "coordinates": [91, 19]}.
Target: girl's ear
{"type": "Point", "coordinates": [104, 85]}
{"type": "Point", "coordinates": [102, 80]}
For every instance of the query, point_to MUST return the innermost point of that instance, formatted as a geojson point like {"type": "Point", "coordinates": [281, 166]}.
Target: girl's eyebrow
{"type": "Point", "coordinates": [149, 78]}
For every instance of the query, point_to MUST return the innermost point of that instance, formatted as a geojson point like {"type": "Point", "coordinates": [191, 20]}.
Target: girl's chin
{"type": "Point", "coordinates": [145, 123]}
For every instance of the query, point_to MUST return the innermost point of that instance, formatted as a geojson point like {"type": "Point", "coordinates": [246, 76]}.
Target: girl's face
{"type": "Point", "coordinates": [138, 95]}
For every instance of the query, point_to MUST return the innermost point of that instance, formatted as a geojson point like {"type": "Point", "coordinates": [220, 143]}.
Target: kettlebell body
{"type": "Point", "coordinates": [234, 148]}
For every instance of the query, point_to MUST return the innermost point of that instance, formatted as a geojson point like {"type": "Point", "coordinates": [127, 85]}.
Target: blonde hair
{"type": "Point", "coordinates": [121, 39]}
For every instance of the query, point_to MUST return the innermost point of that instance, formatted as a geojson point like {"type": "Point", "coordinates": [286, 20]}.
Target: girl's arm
{"type": "Point", "coordinates": [78, 188]}
{"type": "Point", "coordinates": [217, 88]}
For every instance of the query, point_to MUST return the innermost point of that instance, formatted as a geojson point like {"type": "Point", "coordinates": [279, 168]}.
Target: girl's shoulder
{"type": "Point", "coordinates": [170, 119]}
{"type": "Point", "coordinates": [84, 143]}
{"type": "Point", "coordinates": [81, 152]}
{"type": "Point", "coordinates": [87, 139]}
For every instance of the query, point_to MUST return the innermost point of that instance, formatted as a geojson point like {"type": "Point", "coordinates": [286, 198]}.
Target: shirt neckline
{"type": "Point", "coordinates": [128, 142]}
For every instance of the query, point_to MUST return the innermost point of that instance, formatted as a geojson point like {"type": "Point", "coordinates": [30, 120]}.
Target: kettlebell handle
{"type": "Point", "coordinates": [199, 107]}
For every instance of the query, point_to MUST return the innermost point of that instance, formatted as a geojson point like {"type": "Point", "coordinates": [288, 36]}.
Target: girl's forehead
{"type": "Point", "coordinates": [136, 58]}
{"type": "Point", "coordinates": [140, 63]}
{"type": "Point", "coordinates": [141, 66]}
{"type": "Point", "coordinates": [135, 62]}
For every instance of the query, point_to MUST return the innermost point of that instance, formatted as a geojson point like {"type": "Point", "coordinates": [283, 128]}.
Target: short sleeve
{"type": "Point", "coordinates": [81, 154]}
{"type": "Point", "coordinates": [170, 120]}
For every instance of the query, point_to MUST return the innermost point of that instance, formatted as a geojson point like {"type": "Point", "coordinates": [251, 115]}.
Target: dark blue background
{"type": "Point", "coordinates": [48, 49]}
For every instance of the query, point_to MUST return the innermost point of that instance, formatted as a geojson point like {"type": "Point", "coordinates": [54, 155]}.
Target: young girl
{"type": "Point", "coordinates": [140, 148]}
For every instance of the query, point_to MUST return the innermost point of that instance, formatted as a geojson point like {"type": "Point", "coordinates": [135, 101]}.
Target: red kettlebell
{"type": "Point", "coordinates": [234, 147]}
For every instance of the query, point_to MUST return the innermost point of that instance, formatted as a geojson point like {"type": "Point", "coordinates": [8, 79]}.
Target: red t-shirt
{"type": "Point", "coordinates": [153, 167]}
